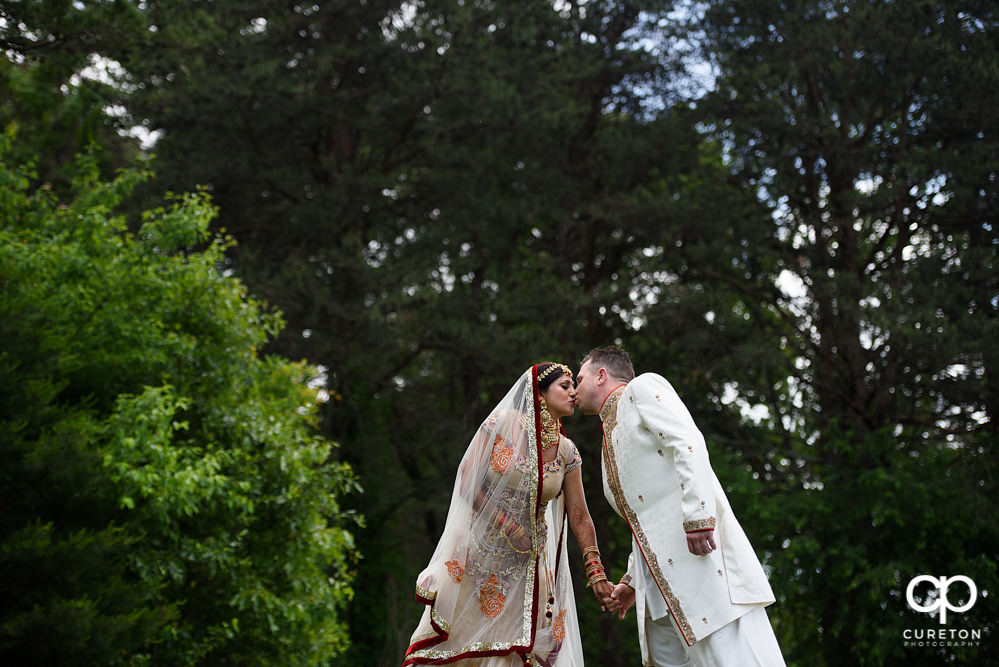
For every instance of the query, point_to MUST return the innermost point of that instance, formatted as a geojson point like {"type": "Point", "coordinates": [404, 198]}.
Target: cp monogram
{"type": "Point", "coordinates": [941, 603]}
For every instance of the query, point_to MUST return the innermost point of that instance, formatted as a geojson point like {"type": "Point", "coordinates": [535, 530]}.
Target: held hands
{"type": "Point", "coordinates": [604, 591]}
{"type": "Point", "coordinates": [596, 577]}
{"type": "Point", "coordinates": [616, 599]}
{"type": "Point", "coordinates": [621, 599]}
{"type": "Point", "coordinates": [701, 543]}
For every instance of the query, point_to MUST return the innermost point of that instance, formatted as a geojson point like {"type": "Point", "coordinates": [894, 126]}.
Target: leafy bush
{"type": "Point", "coordinates": [166, 497]}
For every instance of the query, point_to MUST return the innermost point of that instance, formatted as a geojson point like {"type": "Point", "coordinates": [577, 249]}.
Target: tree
{"type": "Point", "coordinates": [166, 497]}
{"type": "Point", "coordinates": [431, 196]}
{"type": "Point", "coordinates": [865, 309]}
{"type": "Point", "coordinates": [56, 87]}
{"type": "Point", "coordinates": [439, 194]}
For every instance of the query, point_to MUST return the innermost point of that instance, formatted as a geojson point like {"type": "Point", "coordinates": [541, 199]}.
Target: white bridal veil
{"type": "Point", "coordinates": [497, 589]}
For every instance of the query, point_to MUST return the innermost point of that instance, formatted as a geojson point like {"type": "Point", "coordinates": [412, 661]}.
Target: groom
{"type": "Point", "coordinates": [698, 587]}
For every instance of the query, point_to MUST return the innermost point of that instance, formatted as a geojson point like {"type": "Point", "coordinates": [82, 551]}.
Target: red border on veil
{"type": "Point", "coordinates": [535, 393]}
{"type": "Point", "coordinates": [442, 636]}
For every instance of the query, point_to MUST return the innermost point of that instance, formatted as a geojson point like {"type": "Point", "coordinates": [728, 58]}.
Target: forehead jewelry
{"type": "Point", "coordinates": [548, 371]}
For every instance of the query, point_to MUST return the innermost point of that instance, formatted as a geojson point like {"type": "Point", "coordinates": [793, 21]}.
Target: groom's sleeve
{"type": "Point", "coordinates": [629, 576]}
{"type": "Point", "coordinates": [676, 436]}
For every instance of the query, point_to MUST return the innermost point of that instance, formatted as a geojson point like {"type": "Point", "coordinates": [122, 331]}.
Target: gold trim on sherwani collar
{"type": "Point", "coordinates": [608, 414]}
{"type": "Point", "coordinates": [608, 411]}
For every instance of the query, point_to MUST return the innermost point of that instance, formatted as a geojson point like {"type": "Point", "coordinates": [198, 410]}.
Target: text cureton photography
{"type": "Point", "coordinates": [936, 602]}
{"type": "Point", "coordinates": [941, 637]}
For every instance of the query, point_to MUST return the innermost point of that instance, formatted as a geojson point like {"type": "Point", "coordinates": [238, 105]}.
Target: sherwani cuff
{"type": "Point", "coordinates": [630, 574]}
{"type": "Point", "coordinates": [698, 525]}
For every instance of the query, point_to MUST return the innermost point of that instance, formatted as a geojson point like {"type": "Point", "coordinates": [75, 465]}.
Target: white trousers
{"type": "Point", "coordinates": [748, 641]}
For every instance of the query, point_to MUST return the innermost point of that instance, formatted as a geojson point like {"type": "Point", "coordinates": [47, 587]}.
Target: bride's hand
{"type": "Point", "coordinates": [519, 537]}
{"type": "Point", "coordinates": [602, 590]}
{"type": "Point", "coordinates": [523, 542]}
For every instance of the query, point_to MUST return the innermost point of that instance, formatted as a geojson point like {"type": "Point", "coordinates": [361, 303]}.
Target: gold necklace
{"type": "Point", "coordinates": [549, 428]}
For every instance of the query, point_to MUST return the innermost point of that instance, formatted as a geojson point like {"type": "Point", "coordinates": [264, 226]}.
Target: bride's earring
{"type": "Point", "coordinates": [549, 426]}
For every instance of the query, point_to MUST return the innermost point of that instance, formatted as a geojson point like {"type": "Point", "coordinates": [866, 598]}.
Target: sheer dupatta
{"type": "Point", "coordinates": [498, 583]}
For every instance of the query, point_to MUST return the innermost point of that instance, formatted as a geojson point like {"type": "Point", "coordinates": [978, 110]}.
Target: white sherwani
{"type": "Point", "coordinates": [657, 476]}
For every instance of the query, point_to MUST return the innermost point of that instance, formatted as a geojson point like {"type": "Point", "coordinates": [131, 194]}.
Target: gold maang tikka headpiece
{"type": "Point", "coordinates": [554, 365]}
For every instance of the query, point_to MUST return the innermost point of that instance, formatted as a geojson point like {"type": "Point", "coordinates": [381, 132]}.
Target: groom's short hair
{"type": "Point", "coordinates": [614, 359]}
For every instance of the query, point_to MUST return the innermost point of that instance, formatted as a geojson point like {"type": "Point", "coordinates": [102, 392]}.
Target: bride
{"type": "Point", "coordinates": [497, 590]}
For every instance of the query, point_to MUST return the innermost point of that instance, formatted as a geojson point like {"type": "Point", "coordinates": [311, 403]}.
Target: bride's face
{"type": "Point", "coordinates": [561, 397]}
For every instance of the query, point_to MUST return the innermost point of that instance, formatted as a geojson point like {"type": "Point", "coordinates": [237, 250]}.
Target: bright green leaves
{"type": "Point", "coordinates": [170, 475]}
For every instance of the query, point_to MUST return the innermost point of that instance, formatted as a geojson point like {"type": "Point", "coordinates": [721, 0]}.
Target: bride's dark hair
{"type": "Point", "coordinates": [548, 380]}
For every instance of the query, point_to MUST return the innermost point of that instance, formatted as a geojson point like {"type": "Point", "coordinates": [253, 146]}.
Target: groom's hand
{"type": "Point", "coordinates": [701, 543]}
{"type": "Point", "coordinates": [623, 597]}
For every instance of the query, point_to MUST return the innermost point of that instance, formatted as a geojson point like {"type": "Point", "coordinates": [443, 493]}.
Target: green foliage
{"type": "Point", "coordinates": [862, 299]}
{"type": "Point", "coordinates": [166, 498]}
{"type": "Point", "coordinates": [841, 551]}
{"type": "Point", "coordinates": [437, 199]}
{"type": "Point", "coordinates": [58, 91]}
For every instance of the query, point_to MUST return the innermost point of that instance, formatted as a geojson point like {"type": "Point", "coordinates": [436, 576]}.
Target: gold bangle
{"type": "Point", "coordinates": [589, 549]}
{"type": "Point", "coordinates": [593, 581]}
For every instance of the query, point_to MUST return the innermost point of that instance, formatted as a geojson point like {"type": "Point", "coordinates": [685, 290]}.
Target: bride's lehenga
{"type": "Point", "coordinates": [497, 590]}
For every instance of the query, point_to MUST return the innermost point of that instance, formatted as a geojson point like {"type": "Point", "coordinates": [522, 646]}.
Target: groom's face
{"type": "Point", "coordinates": [587, 389]}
